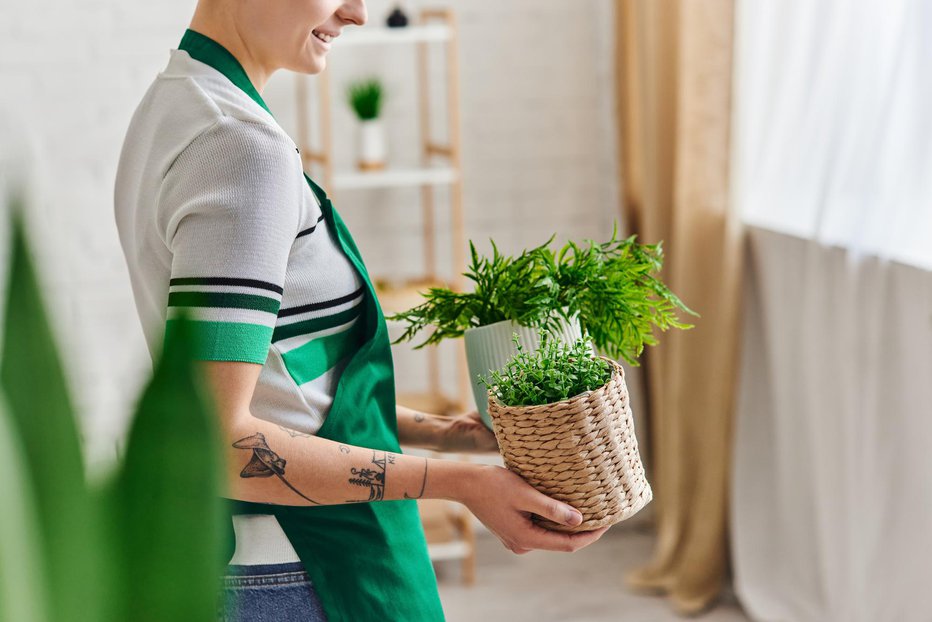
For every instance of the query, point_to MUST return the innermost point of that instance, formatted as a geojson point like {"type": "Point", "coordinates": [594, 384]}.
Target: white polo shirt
{"type": "Point", "coordinates": [214, 216]}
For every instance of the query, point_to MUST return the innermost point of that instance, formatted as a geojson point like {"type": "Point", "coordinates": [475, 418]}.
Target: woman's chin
{"type": "Point", "coordinates": [310, 63]}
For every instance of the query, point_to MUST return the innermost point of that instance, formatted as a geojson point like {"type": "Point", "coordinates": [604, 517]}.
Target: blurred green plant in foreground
{"type": "Point", "coordinates": [146, 544]}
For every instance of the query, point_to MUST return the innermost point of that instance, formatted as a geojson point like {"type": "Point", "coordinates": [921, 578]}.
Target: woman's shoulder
{"type": "Point", "coordinates": [208, 91]}
{"type": "Point", "coordinates": [187, 104]}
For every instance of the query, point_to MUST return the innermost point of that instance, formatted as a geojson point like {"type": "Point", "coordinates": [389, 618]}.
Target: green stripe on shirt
{"type": "Point", "coordinates": [227, 341]}
{"type": "Point", "coordinates": [224, 299]}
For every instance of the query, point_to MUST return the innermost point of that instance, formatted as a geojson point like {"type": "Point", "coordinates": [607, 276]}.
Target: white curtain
{"type": "Point", "coordinates": [831, 512]}
{"type": "Point", "coordinates": [833, 122]}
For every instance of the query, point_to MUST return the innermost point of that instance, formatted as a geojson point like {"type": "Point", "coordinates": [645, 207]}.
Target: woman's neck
{"type": "Point", "coordinates": [219, 25]}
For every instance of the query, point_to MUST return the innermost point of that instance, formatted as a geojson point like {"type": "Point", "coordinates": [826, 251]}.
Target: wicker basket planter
{"type": "Point", "coordinates": [581, 451]}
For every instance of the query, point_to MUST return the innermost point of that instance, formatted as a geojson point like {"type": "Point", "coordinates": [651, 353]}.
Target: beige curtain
{"type": "Point", "coordinates": [674, 89]}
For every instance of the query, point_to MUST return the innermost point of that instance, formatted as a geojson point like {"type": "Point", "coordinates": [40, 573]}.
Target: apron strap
{"type": "Point", "coordinates": [321, 195]}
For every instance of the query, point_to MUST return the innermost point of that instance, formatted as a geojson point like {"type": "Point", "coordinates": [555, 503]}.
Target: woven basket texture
{"type": "Point", "coordinates": [581, 451]}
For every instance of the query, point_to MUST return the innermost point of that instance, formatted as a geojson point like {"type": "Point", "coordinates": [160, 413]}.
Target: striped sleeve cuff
{"type": "Point", "coordinates": [233, 318]}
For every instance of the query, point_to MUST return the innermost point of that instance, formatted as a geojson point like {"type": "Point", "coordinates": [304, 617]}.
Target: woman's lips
{"type": "Point", "coordinates": [323, 38]}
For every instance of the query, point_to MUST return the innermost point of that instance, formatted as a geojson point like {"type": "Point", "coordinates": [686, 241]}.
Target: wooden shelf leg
{"type": "Point", "coordinates": [469, 562]}
{"type": "Point", "coordinates": [325, 129]}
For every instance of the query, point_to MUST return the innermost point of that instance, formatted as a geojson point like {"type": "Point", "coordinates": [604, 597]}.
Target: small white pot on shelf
{"type": "Point", "coordinates": [371, 144]}
{"type": "Point", "coordinates": [489, 348]}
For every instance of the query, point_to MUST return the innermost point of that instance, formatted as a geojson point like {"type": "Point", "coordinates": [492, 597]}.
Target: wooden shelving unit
{"type": "Point", "coordinates": [395, 178]}
{"type": "Point", "coordinates": [440, 166]}
{"type": "Point", "coordinates": [423, 32]}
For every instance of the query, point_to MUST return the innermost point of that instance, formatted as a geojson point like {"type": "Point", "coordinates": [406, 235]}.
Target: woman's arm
{"type": "Point", "coordinates": [457, 433]}
{"type": "Point", "coordinates": [268, 464]}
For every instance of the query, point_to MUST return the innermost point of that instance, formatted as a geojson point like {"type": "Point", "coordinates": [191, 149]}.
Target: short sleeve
{"type": "Point", "coordinates": [229, 206]}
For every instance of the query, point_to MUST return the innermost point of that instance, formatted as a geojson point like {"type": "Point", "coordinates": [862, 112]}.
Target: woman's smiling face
{"type": "Point", "coordinates": [297, 34]}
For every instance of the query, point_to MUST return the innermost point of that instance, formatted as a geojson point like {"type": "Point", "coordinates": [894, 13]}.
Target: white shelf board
{"type": "Point", "coordinates": [392, 178]}
{"type": "Point", "coordinates": [375, 35]}
{"type": "Point", "coordinates": [457, 549]}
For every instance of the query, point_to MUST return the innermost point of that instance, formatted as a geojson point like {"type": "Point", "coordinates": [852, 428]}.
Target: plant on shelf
{"type": "Point", "coordinates": [609, 292]}
{"type": "Point", "coordinates": [397, 18]}
{"type": "Point", "coordinates": [366, 98]}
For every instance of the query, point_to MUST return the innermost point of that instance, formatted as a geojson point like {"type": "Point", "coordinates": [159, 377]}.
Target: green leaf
{"type": "Point", "coordinates": [23, 587]}
{"type": "Point", "coordinates": [43, 422]}
{"type": "Point", "coordinates": [168, 494]}
{"type": "Point", "coordinates": [555, 371]}
{"type": "Point", "coordinates": [612, 287]}
{"type": "Point", "coordinates": [365, 98]}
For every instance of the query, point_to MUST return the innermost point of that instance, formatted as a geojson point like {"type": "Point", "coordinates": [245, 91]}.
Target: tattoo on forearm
{"type": "Point", "coordinates": [423, 484]}
{"type": "Point", "coordinates": [294, 433]}
{"type": "Point", "coordinates": [418, 417]}
{"type": "Point", "coordinates": [265, 462]}
{"type": "Point", "coordinates": [344, 449]}
{"type": "Point", "coordinates": [374, 478]}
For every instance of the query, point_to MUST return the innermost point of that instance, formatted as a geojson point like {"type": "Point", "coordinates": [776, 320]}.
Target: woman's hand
{"type": "Point", "coordinates": [504, 503]}
{"type": "Point", "coordinates": [466, 433]}
{"type": "Point", "coordinates": [453, 434]}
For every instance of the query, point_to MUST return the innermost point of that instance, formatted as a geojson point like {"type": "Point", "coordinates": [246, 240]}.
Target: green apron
{"type": "Point", "coordinates": [367, 561]}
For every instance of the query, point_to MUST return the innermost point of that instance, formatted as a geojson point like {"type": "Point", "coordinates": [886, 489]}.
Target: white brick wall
{"type": "Point", "coordinates": [538, 149]}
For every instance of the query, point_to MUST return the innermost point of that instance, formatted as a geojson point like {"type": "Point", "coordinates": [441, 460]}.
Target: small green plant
{"type": "Point", "coordinates": [556, 371]}
{"type": "Point", "coordinates": [365, 98]}
{"type": "Point", "coordinates": [612, 287]}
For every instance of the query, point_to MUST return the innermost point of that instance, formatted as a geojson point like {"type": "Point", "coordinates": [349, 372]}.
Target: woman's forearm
{"type": "Point", "coordinates": [419, 429]}
{"type": "Point", "coordinates": [268, 463]}
{"type": "Point", "coordinates": [464, 432]}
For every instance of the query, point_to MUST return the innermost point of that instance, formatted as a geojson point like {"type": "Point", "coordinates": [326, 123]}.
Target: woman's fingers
{"type": "Point", "coordinates": [548, 540]}
{"type": "Point", "coordinates": [505, 503]}
{"type": "Point", "coordinates": [538, 538]}
{"type": "Point", "coordinates": [551, 509]}
{"type": "Point", "coordinates": [467, 432]}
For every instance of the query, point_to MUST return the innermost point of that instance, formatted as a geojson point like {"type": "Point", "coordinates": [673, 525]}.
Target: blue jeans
{"type": "Point", "coordinates": [269, 593]}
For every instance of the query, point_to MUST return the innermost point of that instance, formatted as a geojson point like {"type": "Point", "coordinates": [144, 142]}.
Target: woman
{"type": "Point", "coordinates": [216, 216]}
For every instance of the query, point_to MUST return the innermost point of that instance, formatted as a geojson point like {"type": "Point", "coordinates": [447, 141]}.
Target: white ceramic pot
{"type": "Point", "coordinates": [490, 347]}
{"type": "Point", "coordinates": [371, 145]}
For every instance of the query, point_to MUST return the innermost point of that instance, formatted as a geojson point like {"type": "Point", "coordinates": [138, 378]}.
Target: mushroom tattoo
{"type": "Point", "coordinates": [265, 462]}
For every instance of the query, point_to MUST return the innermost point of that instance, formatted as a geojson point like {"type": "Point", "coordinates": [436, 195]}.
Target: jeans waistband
{"type": "Point", "coordinates": [265, 574]}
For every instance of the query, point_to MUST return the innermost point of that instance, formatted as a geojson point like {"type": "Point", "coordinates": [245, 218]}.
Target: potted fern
{"type": "Point", "coordinates": [607, 292]}
{"type": "Point", "coordinates": [365, 98]}
{"type": "Point", "coordinates": [563, 422]}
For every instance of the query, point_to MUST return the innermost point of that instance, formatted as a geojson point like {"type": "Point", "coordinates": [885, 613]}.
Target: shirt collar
{"type": "Point", "coordinates": [206, 50]}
